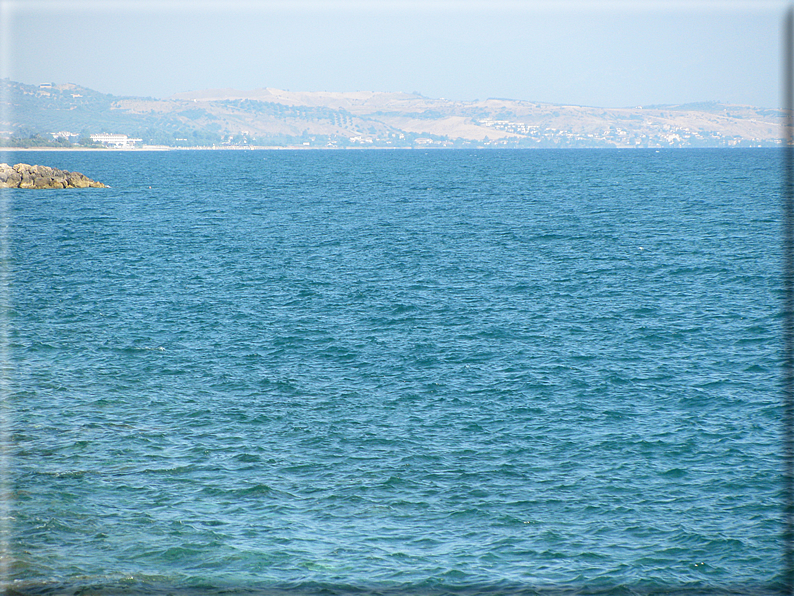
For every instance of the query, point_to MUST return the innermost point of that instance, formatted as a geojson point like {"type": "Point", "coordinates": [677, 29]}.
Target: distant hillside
{"type": "Point", "coordinates": [272, 117]}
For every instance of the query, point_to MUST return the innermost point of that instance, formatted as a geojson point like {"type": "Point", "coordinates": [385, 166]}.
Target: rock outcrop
{"type": "Point", "coordinates": [23, 175]}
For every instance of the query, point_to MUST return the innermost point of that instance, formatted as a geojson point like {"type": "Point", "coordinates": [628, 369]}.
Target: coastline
{"type": "Point", "coordinates": [132, 149]}
{"type": "Point", "coordinates": [161, 148]}
{"type": "Point", "coordinates": [196, 148]}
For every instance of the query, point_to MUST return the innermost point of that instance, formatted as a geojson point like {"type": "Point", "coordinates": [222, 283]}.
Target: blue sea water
{"type": "Point", "coordinates": [369, 371]}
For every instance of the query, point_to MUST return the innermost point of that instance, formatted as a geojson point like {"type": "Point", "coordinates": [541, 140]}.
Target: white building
{"type": "Point", "coordinates": [117, 141]}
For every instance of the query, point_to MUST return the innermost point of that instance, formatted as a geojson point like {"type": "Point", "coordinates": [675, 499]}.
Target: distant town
{"type": "Point", "coordinates": [69, 116]}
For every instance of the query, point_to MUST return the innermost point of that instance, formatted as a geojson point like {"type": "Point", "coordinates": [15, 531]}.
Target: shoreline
{"type": "Point", "coordinates": [159, 148]}
{"type": "Point", "coordinates": [210, 148]}
{"type": "Point", "coordinates": [151, 148]}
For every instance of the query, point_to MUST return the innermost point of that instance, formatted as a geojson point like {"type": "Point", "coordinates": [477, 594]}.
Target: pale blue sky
{"type": "Point", "coordinates": [583, 52]}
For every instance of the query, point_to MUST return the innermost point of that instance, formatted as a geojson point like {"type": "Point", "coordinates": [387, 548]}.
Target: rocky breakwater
{"type": "Point", "coordinates": [23, 175]}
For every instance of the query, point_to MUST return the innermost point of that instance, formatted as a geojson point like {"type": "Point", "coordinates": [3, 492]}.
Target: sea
{"type": "Point", "coordinates": [394, 372]}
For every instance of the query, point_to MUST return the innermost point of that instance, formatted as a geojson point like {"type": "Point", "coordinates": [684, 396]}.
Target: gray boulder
{"type": "Point", "coordinates": [23, 175]}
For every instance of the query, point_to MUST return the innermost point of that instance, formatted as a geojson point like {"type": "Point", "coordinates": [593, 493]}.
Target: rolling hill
{"type": "Point", "coordinates": [273, 117]}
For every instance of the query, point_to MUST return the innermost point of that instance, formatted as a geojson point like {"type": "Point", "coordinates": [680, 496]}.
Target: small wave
{"type": "Point", "coordinates": [674, 473]}
{"type": "Point", "coordinates": [258, 489]}
{"type": "Point", "coordinates": [136, 349]}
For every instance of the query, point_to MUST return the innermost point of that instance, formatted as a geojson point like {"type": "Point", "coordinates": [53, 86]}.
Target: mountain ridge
{"type": "Point", "coordinates": [275, 117]}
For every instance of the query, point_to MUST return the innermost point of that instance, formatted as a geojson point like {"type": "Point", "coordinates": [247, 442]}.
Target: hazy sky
{"type": "Point", "coordinates": [584, 52]}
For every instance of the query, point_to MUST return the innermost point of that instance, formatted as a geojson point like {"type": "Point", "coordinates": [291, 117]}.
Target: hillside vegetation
{"type": "Point", "coordinates": [272, 117]}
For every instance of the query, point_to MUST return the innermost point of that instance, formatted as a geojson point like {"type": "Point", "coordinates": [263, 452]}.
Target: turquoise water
{"type": "Point", "coordinates": [332, 372]}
